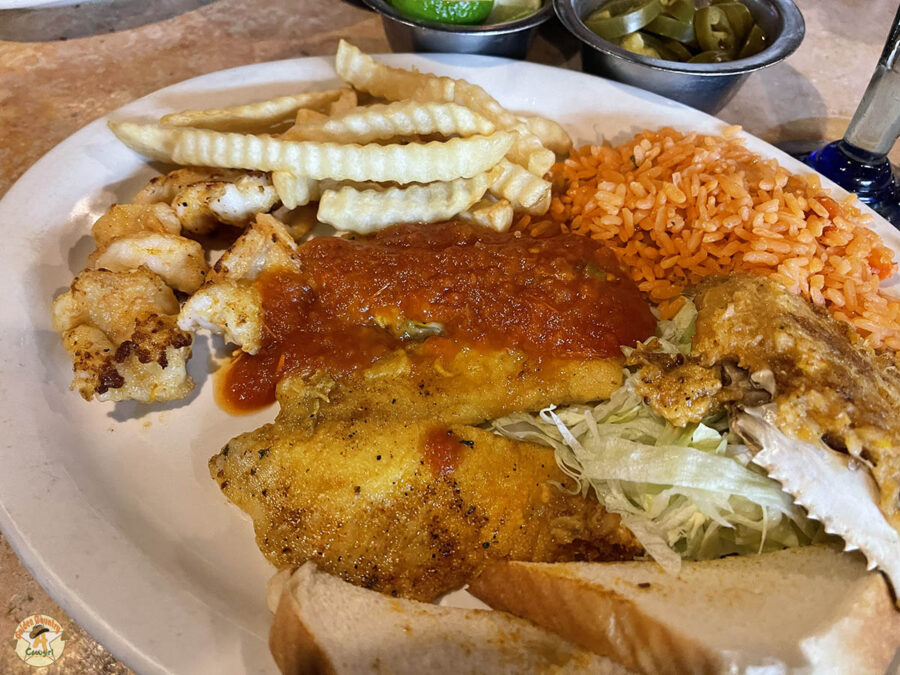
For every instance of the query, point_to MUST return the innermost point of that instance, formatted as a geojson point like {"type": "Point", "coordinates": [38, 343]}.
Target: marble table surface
{"type": "Point", "coordinates": [64, 66]}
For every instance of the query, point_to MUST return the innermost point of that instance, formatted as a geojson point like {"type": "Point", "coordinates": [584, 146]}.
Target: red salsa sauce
{"type": "Point", "coordinates": [556, 297]}
{"type": "Point", "coordinates": [443, 450]}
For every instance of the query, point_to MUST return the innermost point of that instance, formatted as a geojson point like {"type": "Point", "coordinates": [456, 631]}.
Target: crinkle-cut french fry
{"type": "Point", "coordinates": [150, 140]}
{"type": "Point", "coordinates": [495, 215]}
{"type": "Point", "coordinates": [551, 133]}
{"type": "Point", "coordinates": [304, 116]}
{"type": "Point", "coordinates": [542, 206]}
{"type": "Point", "coordinates": [371, 210]}
{"type": "Point", "coordinates": [528, 152]}
{"type": "Point", "coordinates": [364, 73]}
{"type": "Point", "coordinates": [522, 189]}
{"type": "Point", "coordinates": [255, 117]}
{"type": "Point", "coordinates": [394, 84]}
{"type": "Point", "coordinates": [299, 190]}
{"type": "Point", "coordinates": [401, 119]}
{"type": "Point", "coordinates": [344, 103]}
{"type": "Point", "coordinates": [294, 191]}
{"type": "Point", "coordinates": [411, 163]}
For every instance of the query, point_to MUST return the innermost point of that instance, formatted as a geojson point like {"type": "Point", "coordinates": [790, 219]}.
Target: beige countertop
{"type": "Point", "coordinates": [61, 68]}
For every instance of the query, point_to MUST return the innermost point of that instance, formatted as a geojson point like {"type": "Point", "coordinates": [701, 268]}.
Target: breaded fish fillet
{"type": "Point", "coordinates": [410, 508]}
{"type": "Point", "coordinates": [467, 387]}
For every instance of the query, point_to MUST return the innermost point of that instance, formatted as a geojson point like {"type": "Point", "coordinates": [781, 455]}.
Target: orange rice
{"type": "Point", "coordinates": [676, 208]}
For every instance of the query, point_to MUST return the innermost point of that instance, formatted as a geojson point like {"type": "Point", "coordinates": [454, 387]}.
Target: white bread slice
{"type": "Point", "coordinates": [325, 625]}
{"type": "Point", "coordinates": [809, 609]}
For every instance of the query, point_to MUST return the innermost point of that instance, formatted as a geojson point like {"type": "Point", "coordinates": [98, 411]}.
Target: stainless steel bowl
{"type": "Point", "coordinates": [707, 86]}
{"type": "Point", "coordinates": [506, 39]}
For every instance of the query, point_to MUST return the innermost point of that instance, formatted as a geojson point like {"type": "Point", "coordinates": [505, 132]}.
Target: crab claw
{"type": "Point", "coordinates": [832, 487]}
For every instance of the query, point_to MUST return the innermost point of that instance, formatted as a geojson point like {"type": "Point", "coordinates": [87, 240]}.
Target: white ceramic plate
{"type": "Point", "coordinates": [111, 506]}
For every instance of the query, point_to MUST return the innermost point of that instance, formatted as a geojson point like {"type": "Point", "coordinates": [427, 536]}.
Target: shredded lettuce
{"type": "Point", "coordinates": [685, 493]}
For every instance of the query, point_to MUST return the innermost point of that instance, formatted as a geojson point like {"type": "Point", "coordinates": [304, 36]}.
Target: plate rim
{"type": "Point", "coordinates": [71, 601]}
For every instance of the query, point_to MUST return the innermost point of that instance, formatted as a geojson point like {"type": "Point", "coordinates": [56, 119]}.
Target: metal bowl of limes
{"type": "Point", "coordinates": [647, 43]}
{"type": "Point", "coordinates": [493, 27]}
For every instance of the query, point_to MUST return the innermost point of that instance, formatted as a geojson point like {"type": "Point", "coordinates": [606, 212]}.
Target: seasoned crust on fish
{"type": "Point", "coordinates": [228, 304]}
{"type": "Point", "coordinates": [827, 386]}
{"type": "Point", "coordinates": [346, 475]}
{"type": "Point", "coordinates": [468, 387]}
{"type": "Point", "coordinates": [367, 501]}
{"type": "Point", "coordinates": [119, 328]}
{"type": "Point", "coordinates": [203, 198]}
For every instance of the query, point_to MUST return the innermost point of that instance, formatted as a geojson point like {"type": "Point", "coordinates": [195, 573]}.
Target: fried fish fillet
{"type": "Point", "coordinates": [467, 387]}
{"type": "Point", "coordinates": [373, 346]}
{"type": "Point", "coordinates": [410, 508]}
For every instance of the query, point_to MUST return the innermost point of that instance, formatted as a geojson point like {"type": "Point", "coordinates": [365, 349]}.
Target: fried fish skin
{"type": "Point", "coordinates": [377, 504]}
{"type": "Point", "coordinates": [467, 386]}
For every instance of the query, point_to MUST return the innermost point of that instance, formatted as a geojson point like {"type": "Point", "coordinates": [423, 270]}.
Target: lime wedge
{"type": "Point", "coordinates": [445, 11]}
{"type": "Point", "coordinates": [512, 10]}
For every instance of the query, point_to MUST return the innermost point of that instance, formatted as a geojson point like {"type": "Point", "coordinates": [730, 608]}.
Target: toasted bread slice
{"type": "Point", "coordinates": [807, 609]}
{"type": "Point", "coordinates": [325, 625]}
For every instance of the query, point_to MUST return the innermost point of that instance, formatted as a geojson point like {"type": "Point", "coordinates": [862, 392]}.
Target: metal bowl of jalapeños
{"type": "Point", "coordinates": [706, 82]}
{"type": "Point", "coordinates": [511, 39]}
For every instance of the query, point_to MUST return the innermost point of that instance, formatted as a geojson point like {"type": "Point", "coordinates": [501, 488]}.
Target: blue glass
{"type": "Point", "coordinates": [867, 174]}
{"type": "Point", "coordinates": [858, 162]}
